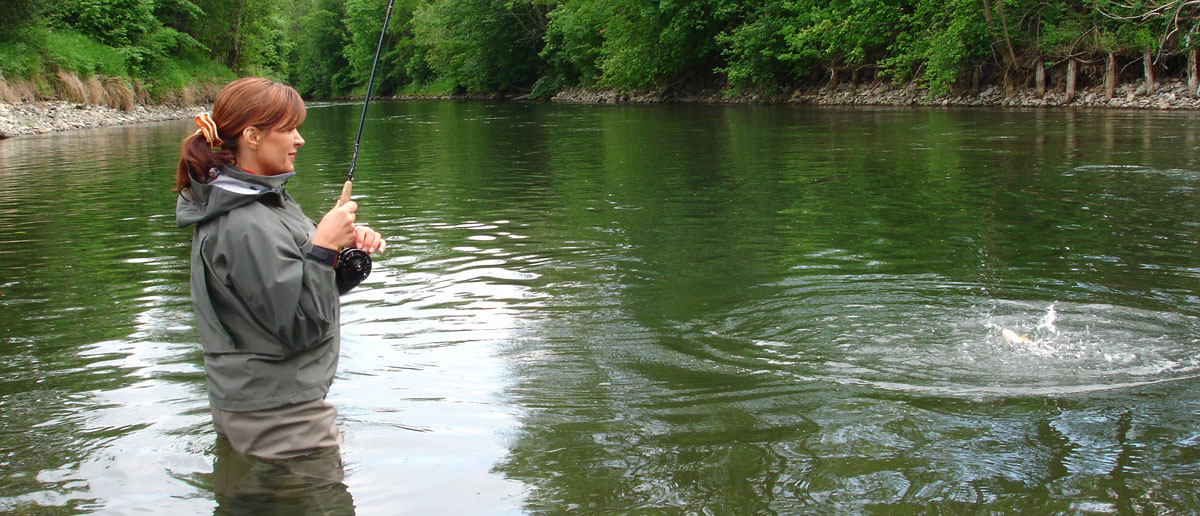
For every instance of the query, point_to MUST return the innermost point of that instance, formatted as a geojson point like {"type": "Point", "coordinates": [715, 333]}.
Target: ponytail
{"type": "Point", "coordinates": [196, 158]}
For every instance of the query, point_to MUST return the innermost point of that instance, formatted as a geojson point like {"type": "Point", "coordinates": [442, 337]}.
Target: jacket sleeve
{"type": "Point", "coordinates": [290, 295]}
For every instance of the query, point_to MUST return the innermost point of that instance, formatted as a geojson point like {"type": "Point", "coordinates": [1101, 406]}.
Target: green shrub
{"type": "Point", "coordinates": [482, 45]}
{"type": "Point", "coordinates": [754, 50]}
{"type": "Point", "coordinates": [83, 55]}
{"type": "Point", "coordinates": [938, 41]}
{"type": "Point", "coordinates": [546, 87]}
{"type": "Point", "coordinates": [574, 38]}
{"type": "Point", "coordinates": [20, 59]}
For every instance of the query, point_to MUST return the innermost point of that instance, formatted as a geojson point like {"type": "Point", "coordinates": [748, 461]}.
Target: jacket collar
{"type": "Point", "coordinates": [230, 189]}
{"type": "Point", "coordinates": [230, 176]}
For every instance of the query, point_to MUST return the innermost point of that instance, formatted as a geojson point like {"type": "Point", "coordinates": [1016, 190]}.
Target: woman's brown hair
{"type": "Point", "coordinates": [246, 102]}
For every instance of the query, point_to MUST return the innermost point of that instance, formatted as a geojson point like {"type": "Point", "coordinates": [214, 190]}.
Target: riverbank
{"type": "Point", "coordinates": [51, 116]}
{"type": "Point", "coordinates": [1169, 95]}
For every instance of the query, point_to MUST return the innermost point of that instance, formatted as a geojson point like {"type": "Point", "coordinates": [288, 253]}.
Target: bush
{"type": "Point", "coordinates": [116, 23]}
{"type": "Point", "coordinates": [175, 76]}
{"type": "Point", "coordinates": [654, 43]}
{"type": "Point", "coordinates": [85, 56]}
{"type": "Point", "coordinates": [574, 37]}
{"type": "Point", "coordinates": [754, 50]}
{"type": "Point", "coordinates": [938, 42]}
{"type": "Point", "coordinates": [546, 87]}
{"type": "Point", "coordinates": [20, 59]}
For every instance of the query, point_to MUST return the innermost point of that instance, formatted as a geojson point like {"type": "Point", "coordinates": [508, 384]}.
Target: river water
{"type": "Point", "coordinates": [646, 310]}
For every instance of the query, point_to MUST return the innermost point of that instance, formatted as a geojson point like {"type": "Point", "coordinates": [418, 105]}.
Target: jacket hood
{"type": "Point", "coordinates": [232, 188]}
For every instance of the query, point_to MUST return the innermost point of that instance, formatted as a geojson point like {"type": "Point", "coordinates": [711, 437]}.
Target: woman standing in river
{"type": "Point", "coordinates": [262, 273]}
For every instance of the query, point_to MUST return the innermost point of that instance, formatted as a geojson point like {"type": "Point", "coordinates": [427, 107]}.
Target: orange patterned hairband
{"type": "Point", "coordinates": [208, 128]}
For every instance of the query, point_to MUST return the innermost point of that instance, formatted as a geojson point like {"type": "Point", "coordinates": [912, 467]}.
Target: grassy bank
{"type": "Point", "coordinates": [54, 80]}
{"type": "Point", "coordinates": [64, 65]}
{"type": "Point", "coordinates": [117, 92]}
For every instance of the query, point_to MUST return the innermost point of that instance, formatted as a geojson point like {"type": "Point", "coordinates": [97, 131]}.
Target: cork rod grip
{"type": "Point", "coordinates": [345, 198]}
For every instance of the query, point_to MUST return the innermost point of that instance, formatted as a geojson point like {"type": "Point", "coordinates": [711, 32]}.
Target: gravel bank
{"type": "Point", "coordinates": [50, 116]}
{"type": "Point", "coordinates": [1171, 94]}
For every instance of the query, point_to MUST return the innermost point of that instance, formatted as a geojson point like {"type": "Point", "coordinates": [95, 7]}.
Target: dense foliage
{"type": "Point", "coordinates": [325, 47]}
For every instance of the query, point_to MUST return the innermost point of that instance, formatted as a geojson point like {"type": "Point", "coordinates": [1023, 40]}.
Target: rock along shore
{"type": "Point", "coordinates": [1169, 95]}
{"type": "Point", "coordinates": [51, 116]}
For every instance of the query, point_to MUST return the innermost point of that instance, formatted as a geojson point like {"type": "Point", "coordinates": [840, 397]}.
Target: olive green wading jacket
{"type": "Point", "coordinates": [267, 313]}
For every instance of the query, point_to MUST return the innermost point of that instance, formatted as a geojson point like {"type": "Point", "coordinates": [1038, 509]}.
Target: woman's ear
{"type": "Point", "coordinates": [251, 135]}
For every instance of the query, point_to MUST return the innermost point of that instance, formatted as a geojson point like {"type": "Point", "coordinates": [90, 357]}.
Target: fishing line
{"type": "Point", "coordinates": [354, 265]}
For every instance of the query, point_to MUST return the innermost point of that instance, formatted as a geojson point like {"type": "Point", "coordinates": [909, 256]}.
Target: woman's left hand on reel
{"type": "Point", "coordinates": [337, 231]}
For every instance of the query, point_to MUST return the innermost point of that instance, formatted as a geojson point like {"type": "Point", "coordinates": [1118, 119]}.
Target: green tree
{"type": "Point", "coordinates": [326, 47]}
{"type": "Point", "coordinates": [938, 42]}
{"type": "Point", "coordinates": [574, 37]}
{"type": "Point", "coordinates": [116, 23]}
{"type": "Point", "coordinates": [128, 26]}
{"type": "Point", "coordinates": [1137, 25]}
{"type": "Point", "coordinates": [246, 35]}
{"type": "Point", "coordinates": [839, 33]}
{"type": "Point", "coordinates": [483, 45]}
{"type": "Point", "coordinates": [402, 62]}
{"type": "Point", "coordinates": [660, 43]}
{"type": "Point", "coordinates": [364, 20]}
{"type": "Point", "coordinates": [754, 50]}
{"type": "Point", "coordinates": [317, 65]}
{"type": "Point", "coordinates": [20, 16]}
{"type": "Point", "coordinates": [177, 14]}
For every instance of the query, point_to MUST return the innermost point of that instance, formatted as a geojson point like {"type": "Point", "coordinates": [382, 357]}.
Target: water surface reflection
{"type": "Point", "coordinates": [311, 484]}
{"type": "Point", "coordinates": [675, 309]}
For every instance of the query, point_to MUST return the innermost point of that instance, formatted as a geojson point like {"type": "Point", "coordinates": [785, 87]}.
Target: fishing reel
{"type": "Point", "coordinates": [353, 266]}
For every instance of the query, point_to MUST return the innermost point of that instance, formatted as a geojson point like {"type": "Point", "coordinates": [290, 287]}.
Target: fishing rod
{"type": "Point", "coordinates": [354, 265]}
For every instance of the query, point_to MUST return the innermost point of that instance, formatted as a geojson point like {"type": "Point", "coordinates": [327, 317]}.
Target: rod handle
{"type": "Point", "coordinates": [345, 198]}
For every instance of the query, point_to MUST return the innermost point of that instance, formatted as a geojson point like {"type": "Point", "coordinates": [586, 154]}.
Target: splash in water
{"type": "Point", "coordinates": [1046, 325]}
{"type": "Point", "coordinates": [1121, 347]}
{"type": "Point", "coordinates": [1040, 341]}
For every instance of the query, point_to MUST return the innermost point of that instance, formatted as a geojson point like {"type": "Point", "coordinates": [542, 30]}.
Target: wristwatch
{"type": "Point", "coordinates": [324, 255]}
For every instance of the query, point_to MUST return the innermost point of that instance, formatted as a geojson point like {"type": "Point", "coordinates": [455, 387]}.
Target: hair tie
{"type": "Point", "coordinates": [209, 129]}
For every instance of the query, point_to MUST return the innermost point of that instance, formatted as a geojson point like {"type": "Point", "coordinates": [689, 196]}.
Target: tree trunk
{"type": "Point", "coordinates": [854, 79]}
{"type": "Point", "coordinates": [1072, 69]}
{"type": "Point", "coordinates": [1039, 78]}
{"type": "Point", "coordinates": [1010, 56]}
{"type": "Point", "coordinates": [1009, 88]}
{"type": "Point", "coordinates": [833, 78]}
{"type": "Point", "coordinates": [1193, 76]}
{"type": "Point", "coordinates": [975, 78]}
{"type": "Point", "coordinates": [234, 60]}
{"type": "Point", "coordinates": [1110, 76]}
{"type": "Point", "coordinates": [1148, 66]}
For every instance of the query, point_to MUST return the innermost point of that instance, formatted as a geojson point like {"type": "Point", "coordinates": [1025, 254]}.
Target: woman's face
{"type": "Point", "coordinates": [276, 151]}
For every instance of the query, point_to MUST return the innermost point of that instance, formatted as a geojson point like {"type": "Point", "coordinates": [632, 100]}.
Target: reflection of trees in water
{"type": "Point", "coordinates": [627, 454]}
{"type": "Point", "coordinates": [650, 390]}
{"type": "Point", "coordinates": [311, 484]}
